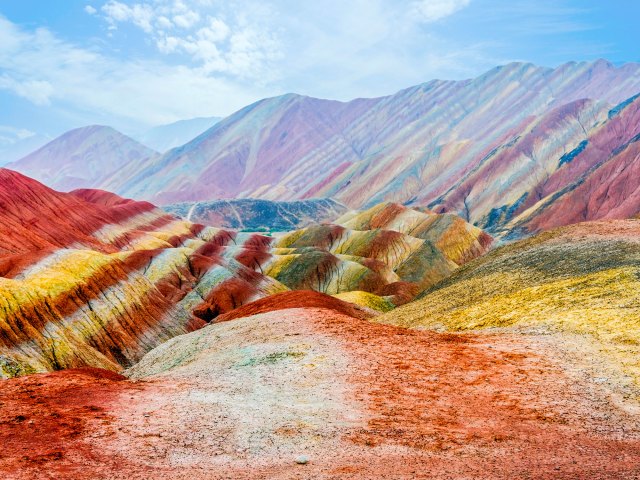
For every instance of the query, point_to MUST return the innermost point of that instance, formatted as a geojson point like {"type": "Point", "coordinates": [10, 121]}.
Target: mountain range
{"type": "Point", "coordinates": [124, 329]}
{"type": "Point", "coordinates": [505, 150]}
{"type": "Point", "coordinates": [88, 278]}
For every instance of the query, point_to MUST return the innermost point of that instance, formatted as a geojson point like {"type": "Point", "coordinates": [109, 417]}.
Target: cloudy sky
{"type": "Point", "coordinates": [136, 63]}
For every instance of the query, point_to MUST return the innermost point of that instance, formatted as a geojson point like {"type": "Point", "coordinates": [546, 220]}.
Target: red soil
{"type": "Point", "coordinates": [295, 299]}
{"type": "Point", "coordinates": [437, 406]}
{"type": "Point", "coordinates": [44, 417]}
{"type": "Point", "coordinates": [477, 407]}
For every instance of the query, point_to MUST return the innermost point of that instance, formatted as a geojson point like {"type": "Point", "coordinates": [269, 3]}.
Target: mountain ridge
{"type": "Point", "coordinates": [409, 147]}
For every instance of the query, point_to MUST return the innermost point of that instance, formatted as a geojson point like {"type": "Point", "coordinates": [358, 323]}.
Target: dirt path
{"type": "Point", "coordinates": [244, 398]}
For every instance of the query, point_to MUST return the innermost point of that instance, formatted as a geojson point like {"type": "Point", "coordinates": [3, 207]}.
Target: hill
{"type": "Point", "coordinates": [258, 215]}
{"type": "Point", "coordinates": [89, 278]}
{"type": "Point", "coordinates": [251, 397]}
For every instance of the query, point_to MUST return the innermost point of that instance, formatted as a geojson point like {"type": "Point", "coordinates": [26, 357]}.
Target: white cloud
{"type": "Point", "coordinates": [38, 92]}
{"type": "Point", "coordinates": [434, 10]}
{"type": "Point", "coordinates": [164, 23]}
{"type": "Point", "coordinates": [208, 57]}
{"type": "Point", "coordinates": [10, 136]}
{"type": "Point", "coordinates": [90, 10]}
{"type": "Point", "coordinates": [140, 14]}
{"type": "Point", "coordinates": [241, 46]}
{"type": "Point", "coordinates": [216, 31]}
{"type": "Point", "coordinates": [186, 20]}
{"type": "Point", "coordinates": [15, 134]}
{"type": "Point", "coordinates": [44, 69]}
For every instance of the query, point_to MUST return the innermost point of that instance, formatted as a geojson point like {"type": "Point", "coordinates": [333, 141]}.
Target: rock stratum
{"type": "Point", "coordinates": [91, 279]}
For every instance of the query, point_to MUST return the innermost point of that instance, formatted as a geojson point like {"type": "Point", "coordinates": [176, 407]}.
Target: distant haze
{"type": "Point", "coordinates": [166, 137]}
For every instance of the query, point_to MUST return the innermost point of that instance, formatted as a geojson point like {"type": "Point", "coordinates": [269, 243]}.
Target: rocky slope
{"type": "Point", "coordinates": [484, 148]}
{"type": "Point", "coordinates": [82, 158]}
{"type": "Point", "coordinates": [389, 250]}
{"type": "Point", "coordinates": [578, 282]}
{"type": "Point", "coordinates": [90, 278]}
{"type": "Point", "coordinates": [258, 215]}
{"type": "Point", "coordinates": [597, 180]}
{"type": "Point", "coordinates": [93, 279]}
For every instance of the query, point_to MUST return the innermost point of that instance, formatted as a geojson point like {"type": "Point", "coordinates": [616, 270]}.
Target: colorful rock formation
{"type": "Point", "coordinates": [579, 282]}
{"type": "Point", "coordinates": [90, 278]}
{"type": "Point", "coordinates": [93, 279]}
{"type": "Point", "coordinates": [597, 180]}
{"type": "Point", "coordinates": [389, 250]}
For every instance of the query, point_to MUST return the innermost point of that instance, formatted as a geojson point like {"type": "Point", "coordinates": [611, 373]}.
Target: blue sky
{"type": "Point", "coordinates": [133, 64]}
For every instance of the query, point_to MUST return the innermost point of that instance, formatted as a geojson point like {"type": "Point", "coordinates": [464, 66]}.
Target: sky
{"type": "Point", "coordinates": [133, 64]}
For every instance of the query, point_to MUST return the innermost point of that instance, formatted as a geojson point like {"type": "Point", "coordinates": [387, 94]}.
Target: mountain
{"type": "Point", "coordinates": [597, 180]}
{"type": "Point", "coordinates": [481, 148]}
{"type": "Point", "coordinates": [258, 215]}
{"type": "Point", "coordinates": [382, 256]}
{"type": "Point", "coordinates": [248, 146]}
{"type": "Point", "coordinates": [89, 278]}
{"type": "Point", "coordinates": [165, 137]}
{"type": "Point", "coordinates": [81, 157]}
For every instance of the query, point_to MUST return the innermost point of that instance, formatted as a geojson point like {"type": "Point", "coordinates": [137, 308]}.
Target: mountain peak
{"type": "Point", "coordinates": [81, 157]}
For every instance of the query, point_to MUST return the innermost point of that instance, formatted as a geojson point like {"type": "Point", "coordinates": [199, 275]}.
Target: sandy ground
{"type": "Point", "coordinates": [245, 398]}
